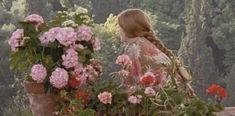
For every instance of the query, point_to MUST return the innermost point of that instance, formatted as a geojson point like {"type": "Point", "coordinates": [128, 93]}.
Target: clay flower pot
{"type": "Point", "coordinates": [41, 104]}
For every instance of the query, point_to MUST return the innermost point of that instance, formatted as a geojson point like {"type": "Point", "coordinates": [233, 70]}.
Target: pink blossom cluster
{"type": "Point", "coordinates": [84, 33]}
{"type": "Point", "coordinates": [16, 39]}
{"type": "Point", "coordinates": [149, 91]}
{"type": "Point", "coordinates": [70, 58]}
{"type": "Point", "coordinates": [49, 36]}
{"type": "Point", "coordinates": [86, 74]}
{"type": "Point", "coordinates": [69, 37]}
{"type": "Point", "coordinates": [135, 99]}
{"type": "Point", "coordinates": [35, 18]}
{"type": "Point", "coordinates": [123, 60]}
{"type": "Point", "coordinates": [105, 97]}
{"type": "Point", "coordinates": [59, 78]}
{"type": "Point", "coordinates": [90, 73]}
{"type": "Point", "coordinates": [66, 36]}
{"type": "Point", "coordinates": [79, 70]}
{"type": "Point", "coordinates": [83, 79]}
{"type": "Point", "coordinates": [38, 73]}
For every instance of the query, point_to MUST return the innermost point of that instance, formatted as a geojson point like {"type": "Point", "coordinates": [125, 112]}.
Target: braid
{"type": "Point", "coordinates": [183, 72]}
{"type": "Point", "coordinates": [157, 42]}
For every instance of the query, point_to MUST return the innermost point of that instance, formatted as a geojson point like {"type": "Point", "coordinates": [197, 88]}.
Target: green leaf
{"type": "Point", "coordinates": [30, 31]}
{"type": "Point", "coordinates": [21, 60]}
{"type": "Point", "coordinates": [85, 55]}
{"type": "Point", "coordinates": [47, 86]}
{"type": "Point", "coordinates": [86, 112]}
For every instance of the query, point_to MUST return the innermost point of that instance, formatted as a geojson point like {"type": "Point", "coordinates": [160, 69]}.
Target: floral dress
{"type": "Point", "coordinates": [145, 58]}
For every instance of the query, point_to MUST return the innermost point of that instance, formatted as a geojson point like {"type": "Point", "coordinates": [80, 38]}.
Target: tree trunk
{"type": "Point", "coordinates": [229, 100]}
{"type": "Point", "coordinates": [194, 51]}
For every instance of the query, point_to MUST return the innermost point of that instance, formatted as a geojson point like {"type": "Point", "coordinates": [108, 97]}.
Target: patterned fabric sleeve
{"type": "Point", "coordinates": [145, 57]}
{"type": "Point", "coordinates": [133, 51]}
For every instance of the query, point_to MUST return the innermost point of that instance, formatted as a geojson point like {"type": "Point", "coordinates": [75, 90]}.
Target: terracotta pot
{"type": "Point", "coordinates": [41, 104]}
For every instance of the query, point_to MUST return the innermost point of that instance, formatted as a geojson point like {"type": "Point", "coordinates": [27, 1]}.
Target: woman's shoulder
{"type": "Point", "coordinates": [141, 46]}
{"type": "Point", "coordinates": [133, 49]}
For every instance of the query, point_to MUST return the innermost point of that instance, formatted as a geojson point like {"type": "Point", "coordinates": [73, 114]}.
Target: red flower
{"type": "Point", "coordinates": [212, 89]}
{"type": "Point", "coordinates": [147, 79]}
{"type": "Point", "coordinates": [83, 96]}
{"type": "Point", "coordinates": [222, 93]}
{"type": "Point", "coordinates": [74, 82]}
{"type": "Point", "coordinates": [219, 91]}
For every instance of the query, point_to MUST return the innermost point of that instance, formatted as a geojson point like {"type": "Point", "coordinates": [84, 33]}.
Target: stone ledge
{"type": "Point", "coordinates": [228, 111]}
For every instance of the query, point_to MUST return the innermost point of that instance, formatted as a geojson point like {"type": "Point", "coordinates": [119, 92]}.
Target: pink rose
{"type": "Point", "coordinates": [16, 39]}
{"type": "Point", "coordinates": [70, 59]}
{"type": "Point", "coordinates": [84, 33]}
{"type": "Point", "coordinates": [59, 78]}
{"type": "Point", "coordinates": [38, 73]}
{"type": "Point", "coordinates": [123, 60]}
{"type": "Point", "coordinates": [149, 91]}
{"type": "Point", "coordinates": [105, 97]}
{"type": "Point", "coordinates": [135, 99]}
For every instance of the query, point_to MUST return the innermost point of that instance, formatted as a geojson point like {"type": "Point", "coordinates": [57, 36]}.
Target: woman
{"type": "Point", "coordinates": [145, 50]}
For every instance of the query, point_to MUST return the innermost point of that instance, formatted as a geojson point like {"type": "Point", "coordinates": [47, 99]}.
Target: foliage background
{"type": "Point", "coordinates": [200, 31]}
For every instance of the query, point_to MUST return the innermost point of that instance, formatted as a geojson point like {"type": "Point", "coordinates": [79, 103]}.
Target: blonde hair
{"type": "Point", "coordinates": [135, 23]}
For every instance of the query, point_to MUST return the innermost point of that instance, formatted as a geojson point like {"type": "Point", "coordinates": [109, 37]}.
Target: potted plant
{"type": "Point", "coordinates": [54, 56]}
